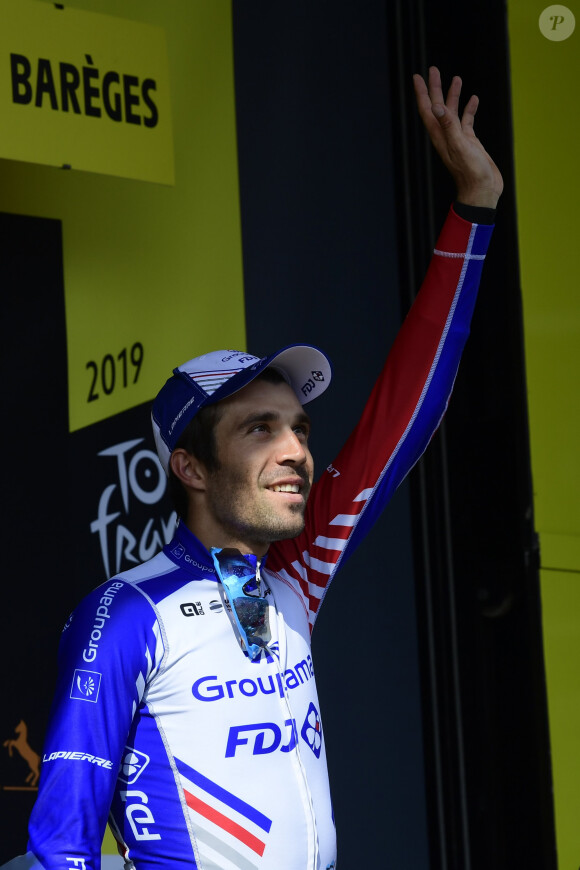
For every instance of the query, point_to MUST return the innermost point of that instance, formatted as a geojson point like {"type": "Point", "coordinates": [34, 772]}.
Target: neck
{"type": "Point", "coordinates": [213, 535]}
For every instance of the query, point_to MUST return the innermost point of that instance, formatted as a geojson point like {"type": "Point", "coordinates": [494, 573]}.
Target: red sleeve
{"type": "Point", "coordinates": [399, 419]}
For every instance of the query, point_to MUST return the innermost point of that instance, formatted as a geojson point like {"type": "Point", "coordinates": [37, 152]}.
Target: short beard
{"type": "Point", "coordinates": [262, 527]}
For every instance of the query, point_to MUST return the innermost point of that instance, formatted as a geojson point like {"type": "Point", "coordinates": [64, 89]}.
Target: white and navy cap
{"type": "Point", "coordinates": [212, 377]}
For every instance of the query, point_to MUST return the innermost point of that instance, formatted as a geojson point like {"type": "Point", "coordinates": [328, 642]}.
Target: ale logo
{"type": "Point", "coordinates": [85, 686]}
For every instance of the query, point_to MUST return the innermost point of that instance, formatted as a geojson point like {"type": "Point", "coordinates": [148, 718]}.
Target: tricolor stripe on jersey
{"type": "Point", "coordinates": [233, 821]}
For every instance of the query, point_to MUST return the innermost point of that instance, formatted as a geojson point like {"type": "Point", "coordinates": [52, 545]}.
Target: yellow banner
{"type": "Point", "coordinates": [545, 65]}
{"type": "Point", "coordinates": [86, 91]}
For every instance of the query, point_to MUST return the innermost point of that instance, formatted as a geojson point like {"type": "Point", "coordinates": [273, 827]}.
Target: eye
{"type": "Point", "coordinates": [302, 430]}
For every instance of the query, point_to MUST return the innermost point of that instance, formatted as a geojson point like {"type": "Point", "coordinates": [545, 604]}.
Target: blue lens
{"type": "Point", "coordinates": [242, 588]}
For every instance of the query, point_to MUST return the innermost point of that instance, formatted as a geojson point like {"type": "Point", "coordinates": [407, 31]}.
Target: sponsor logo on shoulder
{"type": "Point", "coordinates": [132, 765]}
{"type": "Point", "coordinates": [102, 614]}
{"type": "Point", "coordinates": [85, 686]}
{"type": "Point", "coordinates": [78, 756]}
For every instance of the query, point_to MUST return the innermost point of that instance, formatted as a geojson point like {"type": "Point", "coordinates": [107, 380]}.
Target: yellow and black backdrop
{"type": "Point", "coordinates": [183, 176]}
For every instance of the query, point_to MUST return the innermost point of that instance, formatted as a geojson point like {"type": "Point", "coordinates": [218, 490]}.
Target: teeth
{"type": "Point", "coordinates": [286, 487]}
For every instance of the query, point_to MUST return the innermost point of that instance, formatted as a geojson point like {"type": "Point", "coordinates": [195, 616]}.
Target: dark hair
{"type": "Point", "coordinates": [198, 439]}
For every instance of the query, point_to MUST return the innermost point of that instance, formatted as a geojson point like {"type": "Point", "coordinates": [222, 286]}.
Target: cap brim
{"type": "Point", "coordinates": [306, 369]}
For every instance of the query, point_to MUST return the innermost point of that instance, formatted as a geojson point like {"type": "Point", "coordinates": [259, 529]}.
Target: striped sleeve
{"type": "Point", "coordinates": [101, 681]}
{"type": "Point", "coordinates": [403, 411]}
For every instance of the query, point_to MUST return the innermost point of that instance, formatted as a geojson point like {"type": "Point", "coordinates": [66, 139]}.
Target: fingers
{"type": "Point", "coordinates": [424, 104]}
{"type": "Point", "coordinates": [435, 89]}
{"type": "Point", "coordinates": [453, 95]}
{"type": "Point", "coordinates": [431, 102]}
{"type": "Point", "coordinates": [469, 111]}
{"type": "Point", "coordinates": [420, 88]}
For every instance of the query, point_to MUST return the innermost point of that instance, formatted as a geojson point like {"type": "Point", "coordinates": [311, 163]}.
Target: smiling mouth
{"type": "Point", "coordinates": [285, 487]}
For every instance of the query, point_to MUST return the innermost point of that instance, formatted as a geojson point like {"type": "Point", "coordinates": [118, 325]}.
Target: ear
{"type": "Point", "coordinates": [188, 469]}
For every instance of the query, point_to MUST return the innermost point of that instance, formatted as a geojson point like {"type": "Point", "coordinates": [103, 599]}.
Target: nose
{"type": "Point", "coordinates": [291, 449]}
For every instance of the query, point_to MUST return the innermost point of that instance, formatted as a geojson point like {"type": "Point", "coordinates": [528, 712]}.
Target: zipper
{"type": "Point", "coordinates": [282, 659]}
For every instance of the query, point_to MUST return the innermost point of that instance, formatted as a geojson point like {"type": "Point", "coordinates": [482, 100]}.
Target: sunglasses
{"type": "Point", "coordinates": [242, 590]}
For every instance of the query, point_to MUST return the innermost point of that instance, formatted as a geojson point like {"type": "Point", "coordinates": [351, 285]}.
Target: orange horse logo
{"type": "Point", "coordinates": [21, 745]}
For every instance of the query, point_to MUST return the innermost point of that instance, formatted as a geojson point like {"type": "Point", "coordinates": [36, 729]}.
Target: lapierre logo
{"type": "Point", "coordinates": [140, 484]}
{"type": "Point", "coordinates": [210, 688]}
{"type": "Point", "coordinates": [79, 756]}
{"type": "Point", "coordinates": [266, 737]}
{"type": "Point", "coordinates": [132, 765]}
{"type": "Point", "coordinates": [139, 815]}
{"type": "Point", "coordinates": [101, 615]}
{"type": "Point", "coordinates": [85, 686]}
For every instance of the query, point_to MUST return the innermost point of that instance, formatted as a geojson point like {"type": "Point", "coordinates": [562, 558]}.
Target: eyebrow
{"type": "Point", "coordinates": [270, 417]}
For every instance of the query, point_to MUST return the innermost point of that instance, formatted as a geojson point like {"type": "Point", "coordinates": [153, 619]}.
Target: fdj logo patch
{"type": "Point", "coordinates": [132, 765]}
{"type": "Point", "coordinates": [85, 686]}
{"type": "Point", "coordinates": [267, 737]}
{"type": "Point", "coordinates": [312, 730]}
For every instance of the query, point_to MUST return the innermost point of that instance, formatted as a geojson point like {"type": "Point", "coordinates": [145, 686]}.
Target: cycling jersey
{"type": "Point", "coordinates": [203, 757]}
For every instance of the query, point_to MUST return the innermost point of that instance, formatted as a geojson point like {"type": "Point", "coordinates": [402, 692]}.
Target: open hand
{"type": "Point", "coordinates": [477, 178]}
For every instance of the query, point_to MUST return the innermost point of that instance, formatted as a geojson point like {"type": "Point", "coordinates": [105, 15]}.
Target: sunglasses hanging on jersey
{"type": "Point", "coordinates": [242, 589]}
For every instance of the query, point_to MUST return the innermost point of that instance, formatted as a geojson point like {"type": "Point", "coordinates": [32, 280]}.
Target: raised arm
{"type": "Point", "coordinates": [412, 391]}
{"type": "Point", "coordinates": [477, 178]}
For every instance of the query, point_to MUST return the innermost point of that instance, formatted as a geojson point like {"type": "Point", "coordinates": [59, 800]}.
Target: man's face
{"type": "Point", "coordinates": [258, 494]}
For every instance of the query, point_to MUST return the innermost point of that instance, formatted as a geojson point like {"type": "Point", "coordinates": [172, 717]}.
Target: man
{"type": "Point", "coordinates": [203, 737]}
